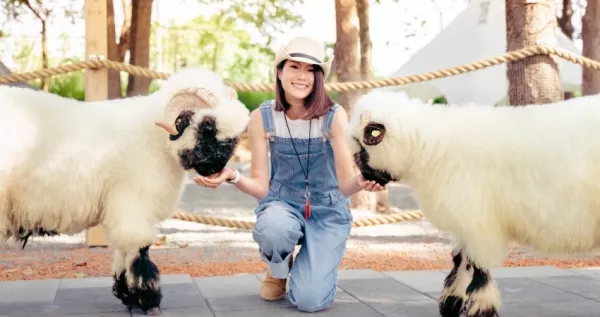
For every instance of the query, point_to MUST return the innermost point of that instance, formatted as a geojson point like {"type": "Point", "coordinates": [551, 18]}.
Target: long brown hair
{"type": "Point", "coordinates": [317, 102]}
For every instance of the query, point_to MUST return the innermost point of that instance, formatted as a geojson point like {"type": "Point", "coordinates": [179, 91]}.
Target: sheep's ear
{"type": "Point", "coordinates": [373, 133]}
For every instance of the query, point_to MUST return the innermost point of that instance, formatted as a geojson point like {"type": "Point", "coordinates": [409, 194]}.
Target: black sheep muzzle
{"type": "Point", "coordinates": [210, 155]}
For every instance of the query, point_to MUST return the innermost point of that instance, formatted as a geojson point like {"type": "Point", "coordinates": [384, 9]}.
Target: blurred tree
{"type": "Point", "coordinates": [565, 21]}
{"type": "Point", "coordinates": [43, 11]}
{"type": "Point", "coordinates": [590, 33]}
{"type": "Point", "coordinates": [346, 49]}
{"type": "Point", "coordinates": [535, 79]}
{"type": "Point", "coordinates": [139, 45]}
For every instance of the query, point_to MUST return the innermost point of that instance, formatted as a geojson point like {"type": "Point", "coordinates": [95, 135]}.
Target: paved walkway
{"type": "Point", "coordinates": [527, 292]}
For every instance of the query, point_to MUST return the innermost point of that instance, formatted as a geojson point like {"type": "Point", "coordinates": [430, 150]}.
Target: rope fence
{"type": "Point", "coordinates": [395, 217]}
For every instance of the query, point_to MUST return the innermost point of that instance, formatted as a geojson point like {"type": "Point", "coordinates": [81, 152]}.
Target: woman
{"type": "Point", "coordinates": [304, 199]}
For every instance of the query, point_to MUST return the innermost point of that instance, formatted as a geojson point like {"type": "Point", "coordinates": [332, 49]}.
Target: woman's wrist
{"type": "Point", "coordinates": [357, 180]}
{"type": "Point", "coordinates": [234, 176]}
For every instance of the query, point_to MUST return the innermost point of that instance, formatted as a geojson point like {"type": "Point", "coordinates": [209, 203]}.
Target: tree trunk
{"type": "Point", "coordinates": [346, 49]}
{"type": "Point", "coordinates": [590, 34]}
{"type": "Point", "coordinates": [362, 9]}
{"type": "Point", "coordinates": [45, 64]}
{"type": "Point", "coordinates": [123, 45]}
{"type": "Point", "coordinates": [566, 20]}
{"type": "Point", "coordinates": [348, 69]}
{"type": "Point", "coordinates": [114, 76]}
{"type": "Point", "coordinates": [139, 45]}
{"type": "Point", "coordinates": [535, 79]}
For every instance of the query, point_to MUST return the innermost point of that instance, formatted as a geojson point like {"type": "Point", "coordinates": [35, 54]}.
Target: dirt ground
{"type": "Point", "coordinates": [201, 250]}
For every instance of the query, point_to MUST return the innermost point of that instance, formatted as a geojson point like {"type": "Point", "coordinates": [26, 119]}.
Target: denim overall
{"type": "Point", "coordinates": [281, 223]}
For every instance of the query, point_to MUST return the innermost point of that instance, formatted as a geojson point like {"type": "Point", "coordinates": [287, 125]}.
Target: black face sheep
{"type": "Point", "coordinates": [66, 166]}
{"type": "Point", "coordinates": [488, 176]}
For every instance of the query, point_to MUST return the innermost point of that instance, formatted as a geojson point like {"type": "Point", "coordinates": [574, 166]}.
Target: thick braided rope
{"type": "Point", "coordinates": [222, 222]}
{"type": "Point", "coordinates": [87, 64]}
{"type": "Point", "coordinates": [340, 87]}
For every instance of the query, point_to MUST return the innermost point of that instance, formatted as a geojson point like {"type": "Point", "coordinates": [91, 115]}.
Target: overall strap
{"type": "Point", "coordinates": [328, 119]}
{"type": "Point", "coordinates": [267, 117]}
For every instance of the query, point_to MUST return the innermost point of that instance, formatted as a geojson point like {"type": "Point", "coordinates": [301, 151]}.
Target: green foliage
{"type": "Point", "coordinates": [440, 100]}
{"type": "Point", "coordinates": [253, 99]}
{"type": "Point", "coordinates": [70, 85]}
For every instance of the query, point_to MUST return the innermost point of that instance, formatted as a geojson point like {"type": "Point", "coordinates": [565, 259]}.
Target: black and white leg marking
{"type": "Point", "coordinates": [483, 295]}
{"type": "Point", "coordinates": [468, 290]}
{"type": "Point", "coordinates": [137, 285]}
{"type": "Point", "coordinates": [454, 294]}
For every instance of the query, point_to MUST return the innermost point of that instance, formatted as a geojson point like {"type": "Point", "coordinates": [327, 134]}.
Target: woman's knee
{"type": "Point", "coordinates": [276, 228]}
{"type": "Point", "coordinates": [313, 298]}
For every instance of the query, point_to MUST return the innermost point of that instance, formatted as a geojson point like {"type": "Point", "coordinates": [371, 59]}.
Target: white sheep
{"type": "Point", "coordinates": [488, 175]}
{"type": "Point", "coordinates": [66, 166]}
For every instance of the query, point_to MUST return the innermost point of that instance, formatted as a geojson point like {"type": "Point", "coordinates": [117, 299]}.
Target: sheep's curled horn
{"type": "Point", "coordinates": [190, 98]}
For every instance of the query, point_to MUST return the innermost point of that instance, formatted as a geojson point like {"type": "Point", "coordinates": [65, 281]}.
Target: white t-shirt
{"type": "Point", "coordinates": [298, 128]}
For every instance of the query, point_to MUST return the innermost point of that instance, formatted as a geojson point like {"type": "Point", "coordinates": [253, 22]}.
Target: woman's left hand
{"type": "Point", "coordinates": [370, 186]}
{"type": "Point", "coordinates": [213, 181]}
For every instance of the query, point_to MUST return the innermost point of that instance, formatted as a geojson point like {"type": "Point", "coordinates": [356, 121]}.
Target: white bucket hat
{"type": "Point", "coordinates": [306, 50]}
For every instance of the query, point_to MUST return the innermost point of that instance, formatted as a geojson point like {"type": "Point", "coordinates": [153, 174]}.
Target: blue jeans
{"type": "Point", "coordinates": [280, 226]}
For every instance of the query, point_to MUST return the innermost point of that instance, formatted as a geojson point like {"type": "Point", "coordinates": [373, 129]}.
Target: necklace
{"type": "Point", "coordinates": [307, 194]}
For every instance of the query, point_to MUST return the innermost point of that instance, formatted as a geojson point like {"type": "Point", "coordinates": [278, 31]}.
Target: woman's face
{"type": "Point", "coordinates": [297, 80]}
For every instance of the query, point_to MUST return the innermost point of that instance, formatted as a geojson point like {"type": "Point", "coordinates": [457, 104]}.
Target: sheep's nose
{"type": "Point", "coordinates": [208, 127]}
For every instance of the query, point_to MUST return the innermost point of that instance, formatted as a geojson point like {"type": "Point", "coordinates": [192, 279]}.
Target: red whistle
{"type": "Point", "coordinates": [307, 210]}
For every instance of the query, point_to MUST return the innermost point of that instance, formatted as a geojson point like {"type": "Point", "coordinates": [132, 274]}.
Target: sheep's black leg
{"type": "Point", "coordinates": [145, 286]}
{"type": "Point", "coordinates": [483, 296]}
{"type": "Point", "coordinates": [453, 296]}
{"type": "Point", "coordinates": [120, 289]}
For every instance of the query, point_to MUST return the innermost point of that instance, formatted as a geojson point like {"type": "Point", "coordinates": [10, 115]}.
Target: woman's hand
{"type": "Point", "coordinates": [214, 180]}
{"type": "Point", "coordinates": [370, 186]}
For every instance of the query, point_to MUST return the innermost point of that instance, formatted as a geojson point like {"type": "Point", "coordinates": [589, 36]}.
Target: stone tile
{"type": "Point", "coordinates": [520, 290]}
{"type": "Point", "coordinates": [175, 279]}
{"type": "Point", "coordinates": [186, 312]}
{"type": "Point", "coordinates": [549, 308]}
{"type": "Point", "coordinates": [380, 290]}
{"type": "Point", "coordinates": [359, 274]}
{"type": "Point", "coordinates": [28, 291]}
{"type": "Point", "coordinates": [588, 271]}
{"type": "Point", "coordinates": [255, 302]}
{"type": "Point", "coordinates": [578, 284]}
{"type": "Point", "coordinates": [338, 309]}
{"type": "Point", "coordinates": [182, 295]}
{"type": "Point", "coordinates": [248, 302]}
{"type": "Point", "coordinates": [84, 294]}
{"type": "Point", "coordinates": [60, 308]}
{"type": "Point", "coordinates": [89, 282]}
{"type": "Point", "coordinates": [426, 281]}
{"type": "Point", "coordinates": [93, 282]}
{"type": "Point", "coordinates": [508, 272]}
{"type": "Point", "coordinates": [408, 309]}
{"type": "Point", "coordinates": [227, 286]}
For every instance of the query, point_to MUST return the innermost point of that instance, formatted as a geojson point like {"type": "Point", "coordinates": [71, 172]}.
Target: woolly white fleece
{"type": "Point", "coordinates": [67, 165]}
{"type": "Point", "coordinates": [489, 175]}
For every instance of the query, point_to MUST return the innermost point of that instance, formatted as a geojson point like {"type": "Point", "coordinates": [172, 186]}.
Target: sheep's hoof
{"type": "Point", "coordinates": [146, 286]}
{"type": "Point", "coordinates": [148, 298]}
{"type": "Point", "coordinates": [121, 291]}
{"type": "Point", "coordinates": [481, 311]}
{"type": "Point", "coordinates": [485, 313]}
{"type": "Point", "coordinates": [451, 306]}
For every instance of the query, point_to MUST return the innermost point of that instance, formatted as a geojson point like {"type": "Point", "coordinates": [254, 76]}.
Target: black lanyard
{"type": "Point", "coordinates": [307, 194]}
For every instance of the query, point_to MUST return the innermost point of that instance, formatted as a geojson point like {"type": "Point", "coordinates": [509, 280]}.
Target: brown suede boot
{"type": "Point", "coordinates": [273, 289]}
